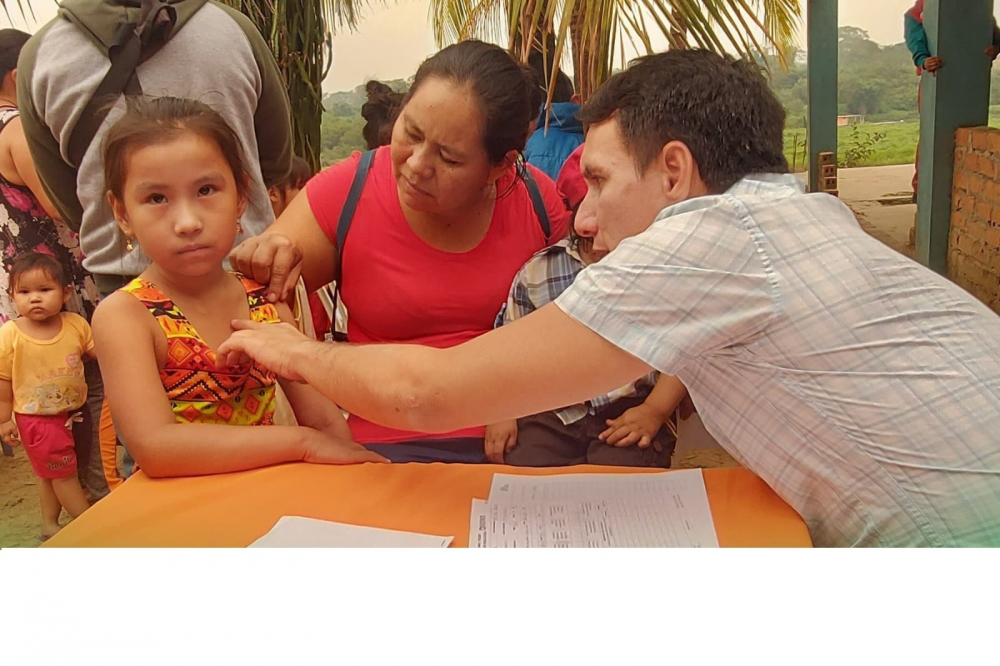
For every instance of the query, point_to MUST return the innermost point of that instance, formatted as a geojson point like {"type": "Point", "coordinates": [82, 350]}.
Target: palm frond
{"type": "Point", "coordinates": [300, 34]}
{"type": "Point", "coordinates": [599, 28]}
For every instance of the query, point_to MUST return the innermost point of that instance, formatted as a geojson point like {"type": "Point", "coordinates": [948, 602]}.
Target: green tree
{"type": "Point", "coordinates": [596, 29]}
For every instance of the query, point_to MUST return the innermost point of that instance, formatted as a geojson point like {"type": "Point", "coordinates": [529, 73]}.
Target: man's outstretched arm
{"type": "Point", "coordinates": [541, 362]}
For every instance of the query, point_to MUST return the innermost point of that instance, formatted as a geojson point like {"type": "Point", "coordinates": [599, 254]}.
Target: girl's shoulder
{"type": "Point", "coordinates": [261, 309]}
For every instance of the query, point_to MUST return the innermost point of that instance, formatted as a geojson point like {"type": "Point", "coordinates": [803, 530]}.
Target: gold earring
{"type": "Point", "coordinates": [239, 226]}
{"type": "Point", "coordinates": [128, 244]}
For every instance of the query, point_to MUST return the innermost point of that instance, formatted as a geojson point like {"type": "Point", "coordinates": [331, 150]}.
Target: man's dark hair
{"type": "Point", "coordinates": [721, 108]}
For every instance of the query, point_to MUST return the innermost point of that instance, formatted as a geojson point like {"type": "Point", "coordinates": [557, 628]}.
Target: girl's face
{"type": "Point", "coordinates": [181, 204]}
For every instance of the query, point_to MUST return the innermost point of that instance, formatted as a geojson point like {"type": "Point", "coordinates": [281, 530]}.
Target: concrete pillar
{"type": "Point", "coordinates": [821, 47]}
{"type": "Point", "coordinates": [958, 96]}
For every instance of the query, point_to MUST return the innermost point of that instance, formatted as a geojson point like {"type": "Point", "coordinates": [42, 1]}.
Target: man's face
{"type": "Point", "coordinates": [620, 203]}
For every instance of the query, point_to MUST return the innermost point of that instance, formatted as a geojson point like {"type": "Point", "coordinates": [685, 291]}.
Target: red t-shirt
{"type": "Point", "coordinates": [397, 288]}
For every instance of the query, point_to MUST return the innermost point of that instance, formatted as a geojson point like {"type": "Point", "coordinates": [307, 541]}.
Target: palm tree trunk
{"type": "Point", "coordinates": [296, 31]}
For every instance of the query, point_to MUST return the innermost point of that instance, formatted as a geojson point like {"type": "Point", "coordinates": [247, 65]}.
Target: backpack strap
{"type": "Point", "coordinates": [343, 226]}
{"type": "Point", "coordinates": [133, 44]}
{"type": "Point", "coordinates": [537, 202]}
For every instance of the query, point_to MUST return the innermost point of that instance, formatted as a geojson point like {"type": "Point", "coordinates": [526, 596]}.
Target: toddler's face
{"type": "Point", "coordinates": [38, 296]}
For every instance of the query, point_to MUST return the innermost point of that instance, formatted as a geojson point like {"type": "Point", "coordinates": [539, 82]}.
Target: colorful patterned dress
{"type": "Point", "coordinates": [200, 391]}
{"type": "Point", "coordinates": [24, 227]}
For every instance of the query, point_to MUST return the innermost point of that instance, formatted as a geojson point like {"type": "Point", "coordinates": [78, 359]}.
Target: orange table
{"type": "Point", "coordinates": [236, 509]}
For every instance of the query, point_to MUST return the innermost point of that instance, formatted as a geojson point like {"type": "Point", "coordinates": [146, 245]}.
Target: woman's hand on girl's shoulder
{"type": "Point", "coordinates": [323, 449]}
{"type": "Point", "coordinates": [272, 259]}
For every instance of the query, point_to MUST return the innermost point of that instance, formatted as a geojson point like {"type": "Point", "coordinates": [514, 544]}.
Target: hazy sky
{"type": "Point", "coordinates": [391, 42]}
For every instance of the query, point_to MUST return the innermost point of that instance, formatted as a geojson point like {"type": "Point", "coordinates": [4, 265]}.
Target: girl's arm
{"type": "Point", "coordinates": [312, 408]}
{"type": "Point", "coordinates": [124, 336]}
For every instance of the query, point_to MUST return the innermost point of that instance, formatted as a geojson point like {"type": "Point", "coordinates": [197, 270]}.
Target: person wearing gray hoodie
{"type": "Point", "coordinates": [213, 54]}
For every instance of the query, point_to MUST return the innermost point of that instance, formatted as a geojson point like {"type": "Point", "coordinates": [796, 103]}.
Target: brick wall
{"type": "Point", "coordinates": [974, 239]}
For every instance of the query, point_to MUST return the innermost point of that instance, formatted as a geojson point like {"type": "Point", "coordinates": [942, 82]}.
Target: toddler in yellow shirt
{"type": "Point", "coordinates": [42, 383]}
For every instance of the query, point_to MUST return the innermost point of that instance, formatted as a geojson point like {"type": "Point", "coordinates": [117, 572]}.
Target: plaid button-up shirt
{"type": "Point", "coordinates": [538, 283]}
{"type": "Point", "coordinates": [861, 386]}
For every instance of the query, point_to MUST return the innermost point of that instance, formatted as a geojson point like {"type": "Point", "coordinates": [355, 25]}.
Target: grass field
{"type": "Point", "coordinates": [897, 147]}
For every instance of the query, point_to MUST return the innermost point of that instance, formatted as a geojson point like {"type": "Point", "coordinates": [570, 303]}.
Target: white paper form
{"type": "Point", "coordinates": [298, 532]}
{"type": "Point", "coordinates": [598, 510]}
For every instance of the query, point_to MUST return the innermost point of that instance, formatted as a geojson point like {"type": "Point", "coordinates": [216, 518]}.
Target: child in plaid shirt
{"type": "Point", "coordinates": [631, 426]}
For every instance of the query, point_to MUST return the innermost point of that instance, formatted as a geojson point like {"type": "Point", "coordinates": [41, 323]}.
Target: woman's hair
{"type": "Point", "coordinates": [154, 120]}
{"type": "Point", "coordinates": [36, 261]}
{"type": "Point", "coordinates": [380, 112]}
{"type": "Point", "coordinates": [502, 87]}
{"type": "Point", "coordinates": [11, 43]}
{"type": "Point", "coordinates": [299, 175]}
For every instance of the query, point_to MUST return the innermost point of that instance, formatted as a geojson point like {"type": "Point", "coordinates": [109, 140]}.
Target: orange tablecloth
{"type": "Point", "coordinates": [236, 509]}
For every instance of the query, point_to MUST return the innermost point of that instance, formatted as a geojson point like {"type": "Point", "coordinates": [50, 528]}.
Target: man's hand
{"type": "Point", "coordinates": [9, 433]}
{"type": "Point", "coordinates": [992, 51]}
{"type": "Point", "coordinates": [933, 64]}
{"type": "Point", "coordinates": [272, 345]}
{"type": "Point", "coordinates": [325, 450]}
{"type": "Point", "coordinates": [270, 259]}
{"type": "Point", "coordinates": [500, 438]}
{"type": "Point", "coordinates": [637, 425]}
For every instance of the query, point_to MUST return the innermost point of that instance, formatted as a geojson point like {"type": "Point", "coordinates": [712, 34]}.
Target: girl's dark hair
{"type": "Point", "coordinates": [11, 43]}
{"type": "Point", "coordinates": [32, 261]}
{"type": "Point", "coordinates": [152, 120]}
{"type": "Point", "coordinates": [501, 86]}
{"type": "Point", "coordinates": [380, 112]}
{"type": "Point", "coordinates": [299, 175]}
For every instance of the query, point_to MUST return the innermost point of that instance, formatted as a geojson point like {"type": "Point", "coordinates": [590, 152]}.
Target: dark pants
{"type": "Point", "coordinates": [87, 436]}
{"type": "Point", "coordinates": [456, 450]}
{"type": "Point", "coordinates": [545, 441]}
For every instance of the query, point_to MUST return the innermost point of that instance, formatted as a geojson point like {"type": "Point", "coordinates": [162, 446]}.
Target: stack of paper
{"type": "Point", "coordinates": [297, 532]}
{"type": "Point", "coordinates": [594, 511]}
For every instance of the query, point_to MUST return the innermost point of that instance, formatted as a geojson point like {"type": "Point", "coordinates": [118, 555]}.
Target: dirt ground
{"type": "Point", "coordinates": [20, 520]}
{"type": "Point", "coordinates": [859, 188]}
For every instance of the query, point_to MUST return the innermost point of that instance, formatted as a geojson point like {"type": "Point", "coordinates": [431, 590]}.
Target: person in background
{"type": "Point", "coordinates": [920, 51]}
{"type": "Point", "coordinates": [30, 223]}
{"type": "Point", "coordinates": [178, 186]}
{"type": "Point", "coordinates": [558, 130]}
{"type": "Point", "coordinates": [380, 112]}
{"type": "Point", "coordinates": [632, 426]}
{"type": "Point", "coordinates": [42, 384]}
{"type": "Point", "coordinates": [444, 219]}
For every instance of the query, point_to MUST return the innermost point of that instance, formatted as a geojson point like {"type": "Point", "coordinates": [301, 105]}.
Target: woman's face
{"type": "Point", "coordinates": [438, 158]}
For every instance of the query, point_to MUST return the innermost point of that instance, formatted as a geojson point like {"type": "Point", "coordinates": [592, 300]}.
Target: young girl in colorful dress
{"type": "Point", "coordinates": [178, 187]}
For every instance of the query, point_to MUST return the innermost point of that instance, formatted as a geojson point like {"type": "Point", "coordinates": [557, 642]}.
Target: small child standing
{"type": "Point", "coordinates": [42, 383]}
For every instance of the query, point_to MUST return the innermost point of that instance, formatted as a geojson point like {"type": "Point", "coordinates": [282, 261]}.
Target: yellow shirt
{"type": "Point", "coordinates": [47, 375]}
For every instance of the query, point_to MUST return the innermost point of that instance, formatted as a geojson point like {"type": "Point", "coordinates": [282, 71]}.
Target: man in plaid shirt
{"type": "Point", "coordinates": [859, 385]}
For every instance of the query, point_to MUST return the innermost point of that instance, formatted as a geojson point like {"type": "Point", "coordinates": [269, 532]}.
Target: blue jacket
{"type": "Point", "coordinates": [916, 36]}
{"type": "Point", "coordinates": [548, 152]}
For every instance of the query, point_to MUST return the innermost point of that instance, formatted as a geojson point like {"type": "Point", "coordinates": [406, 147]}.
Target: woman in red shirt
{"type": "Point", "coordinates": [443, 223]}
